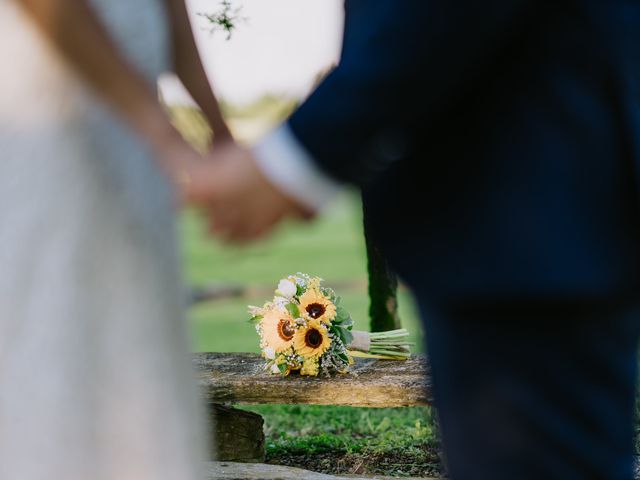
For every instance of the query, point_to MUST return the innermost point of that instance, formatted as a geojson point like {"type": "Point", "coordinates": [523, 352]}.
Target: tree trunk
{"type": "Point", "coordinates": [383, 284]}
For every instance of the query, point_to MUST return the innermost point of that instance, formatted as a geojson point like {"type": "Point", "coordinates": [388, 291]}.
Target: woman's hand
{"type": "Point", "coordinates": [240, 203]}
{"type": "Point", "coordinates": [179, 161]}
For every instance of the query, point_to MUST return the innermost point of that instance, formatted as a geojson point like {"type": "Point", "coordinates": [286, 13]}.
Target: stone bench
{"type": "Point", "coordinates": [228, 379]}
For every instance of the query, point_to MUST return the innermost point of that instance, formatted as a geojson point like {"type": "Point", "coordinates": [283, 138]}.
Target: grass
{"type": "Point", "coordinates": [343, 440]}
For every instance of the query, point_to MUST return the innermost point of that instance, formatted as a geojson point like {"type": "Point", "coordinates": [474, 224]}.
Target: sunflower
{"type": "Point", "coordinates": [311, 341]}
{"type": "Point", "coordinates": [315, 306]}
{"type": "Point", "coordinates": [278, 330]}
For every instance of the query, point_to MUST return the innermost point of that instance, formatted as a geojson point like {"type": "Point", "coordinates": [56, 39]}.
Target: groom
{"type": "Point", "coordinates": [497, 144]}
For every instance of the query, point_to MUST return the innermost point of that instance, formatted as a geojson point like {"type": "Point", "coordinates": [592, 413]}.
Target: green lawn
{"type": "Point", "coordinates": [327, 439]}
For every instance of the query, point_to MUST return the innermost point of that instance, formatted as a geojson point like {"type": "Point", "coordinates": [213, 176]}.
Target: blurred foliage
{"type": "Point", "coordinates": [247, 122]}
{"type": "Point", "coordinates": [225, 19]}
{"type": "Point", "coordinates": [193, 126]}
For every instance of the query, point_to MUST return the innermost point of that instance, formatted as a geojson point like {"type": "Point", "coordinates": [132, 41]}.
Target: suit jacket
{"type": "Point", "coordinates": [497, 142]}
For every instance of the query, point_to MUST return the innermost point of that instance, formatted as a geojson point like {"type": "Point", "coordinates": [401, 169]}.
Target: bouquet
{"type": "Point", "coordinates": [305, 329]}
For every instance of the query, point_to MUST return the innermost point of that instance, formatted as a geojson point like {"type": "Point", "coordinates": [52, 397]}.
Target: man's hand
{"type": "Point", "coordinates": [240, 203]}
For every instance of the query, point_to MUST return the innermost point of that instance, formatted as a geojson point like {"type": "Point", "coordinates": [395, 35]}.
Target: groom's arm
{"type": "Point", "coordinates": [403, 65]}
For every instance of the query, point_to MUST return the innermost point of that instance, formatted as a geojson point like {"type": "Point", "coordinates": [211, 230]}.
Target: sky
{"type": "Point", "coordinates": [278, 47]}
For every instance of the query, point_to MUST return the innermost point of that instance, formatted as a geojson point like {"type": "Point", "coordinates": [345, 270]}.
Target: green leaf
{"type": "Point", "coordinates": [343, 318]}
{"type": "Point", "coordinates": [347, 337]}
{"type": "Point", "coordinates": [299, 290]}
{"type": "Point", "coordinates": [343, 333]}
{"type": "Point", "coordinates": [344, 357]}
{"type": "Point", "coordinates": [255, 319]}
{"type": "Point", "coordinates": [348, 323]}
{"type": "Point", "coordinates": [341, 313]}
{"type": "Point", "coordinates": [282, 367]}
{"type": "Point", "coordinates": [293, 309]}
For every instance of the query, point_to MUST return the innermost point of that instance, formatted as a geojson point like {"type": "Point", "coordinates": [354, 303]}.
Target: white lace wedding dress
{"type": "Point", "coordinates": [95, 377]}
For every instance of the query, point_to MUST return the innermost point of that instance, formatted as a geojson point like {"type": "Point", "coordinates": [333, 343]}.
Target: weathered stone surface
{"type": "Point", "coordinates": [238, 435]}
{"type": "Point", "coordinates": [259, 471]}
{"type": "Point", "coordinates": [239, 378]}
{"type": "Point", "coordinates": [244, 471]}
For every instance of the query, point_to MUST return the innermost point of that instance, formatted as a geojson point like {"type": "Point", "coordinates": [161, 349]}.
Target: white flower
{"type": "Point", "coordinates": [275, 369]}
{"type": "Point", "coordinates": [286, 288]}
{"type": "Point", "coordinates": [281, 302]}
{"type": "Point", "coordinates": [269, 353]}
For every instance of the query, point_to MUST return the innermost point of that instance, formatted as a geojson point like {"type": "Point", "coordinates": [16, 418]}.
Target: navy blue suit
{"type": "Point", "coordinates": [498, 147]}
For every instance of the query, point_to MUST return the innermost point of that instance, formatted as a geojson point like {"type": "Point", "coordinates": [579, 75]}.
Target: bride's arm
{"type": "Point", "coordinates": [72, 27]}
{"type": "Point", "coordinates": [189, 69]}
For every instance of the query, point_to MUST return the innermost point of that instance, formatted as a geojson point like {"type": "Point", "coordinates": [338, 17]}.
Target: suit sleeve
{"type": "Point", "coordinates": [403, 64]}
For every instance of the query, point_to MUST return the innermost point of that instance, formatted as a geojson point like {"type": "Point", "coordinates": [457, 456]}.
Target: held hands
{"type": "Point", "coordinates": [239, 202]}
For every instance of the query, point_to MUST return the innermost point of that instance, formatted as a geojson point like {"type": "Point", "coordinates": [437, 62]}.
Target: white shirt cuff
{"type": "Point", "coordinates": [288, 165]}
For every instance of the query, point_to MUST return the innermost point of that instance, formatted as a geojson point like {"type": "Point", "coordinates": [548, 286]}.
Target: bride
{"type": "Point", "coordinates": [95, 377]}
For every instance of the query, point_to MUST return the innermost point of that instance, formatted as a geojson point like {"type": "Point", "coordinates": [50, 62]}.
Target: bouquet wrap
{"type": "Point", "coordinates": [361, 341]}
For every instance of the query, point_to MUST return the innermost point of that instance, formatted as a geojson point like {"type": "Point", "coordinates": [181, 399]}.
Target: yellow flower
{"type": "Point", "coordinates": [315, 306]}
{"type": "Point", "coordinates": [278, 330]}
{"type": "Point", "coordinates": [311, 342]}
{"type": "Point", "coordinates": [310, 367]}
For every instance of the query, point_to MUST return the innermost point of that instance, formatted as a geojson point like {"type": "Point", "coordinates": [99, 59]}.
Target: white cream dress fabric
{"type": "Point", "coordinates": [95, 375]}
